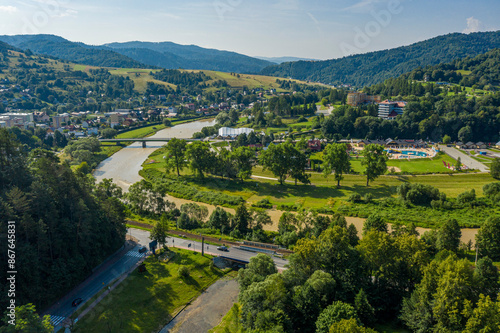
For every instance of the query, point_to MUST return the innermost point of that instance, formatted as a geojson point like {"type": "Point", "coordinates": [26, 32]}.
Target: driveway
{"type": "Point", "coordinates": [466, 159]}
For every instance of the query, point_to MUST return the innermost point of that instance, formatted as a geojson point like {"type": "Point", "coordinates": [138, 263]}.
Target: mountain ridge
{"type": "Point", "coordinates": [191, 56]}
{"type": "Point", "coordinates": [375, 67]}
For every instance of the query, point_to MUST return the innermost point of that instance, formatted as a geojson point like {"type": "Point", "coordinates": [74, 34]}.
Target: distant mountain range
{"type": "Point", "coordinates": [358, 70]}
{"type": "Point", "coordinates": [138, 54]}
{"type": "Point", "coordinates": [375, 67]}
{"type": "Point", "coordinates": [172, 56]}
{"type": "Point", "coordinates": [61, 48]}
{"type": "Point", "coordinates": [280, 60]}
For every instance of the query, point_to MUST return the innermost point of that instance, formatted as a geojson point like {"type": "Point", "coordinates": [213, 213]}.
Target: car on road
{"type": "Point", "coordinates": [143, 250]}
{"type": "Point", "coordinates": [223, 248]}
{"type": "Point", "coordinates": [77, 301]}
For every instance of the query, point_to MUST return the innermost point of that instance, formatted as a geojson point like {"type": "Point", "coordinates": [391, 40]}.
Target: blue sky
{"type": "Point", "coordinates": [318, 29]}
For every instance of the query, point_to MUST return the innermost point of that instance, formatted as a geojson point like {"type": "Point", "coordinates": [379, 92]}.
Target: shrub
{"type": "Point", "coordinates": [368, 197]}
{"type": "Point", "coordinates": [492, 191]}
{"type": "Point", "coordinates": [183, 271]}
{"type": "Point", "coordinates": [418, 194]}
{"type": "Point", "coordinates": [355, 197]}
{"type": "Point", "coordinates": [264, 203]}
{"type": "Point", "coordinates": [467, 197]}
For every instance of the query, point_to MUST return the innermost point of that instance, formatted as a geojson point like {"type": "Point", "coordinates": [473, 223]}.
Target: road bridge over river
{"type": "Point", "coordinates": [144, 140]}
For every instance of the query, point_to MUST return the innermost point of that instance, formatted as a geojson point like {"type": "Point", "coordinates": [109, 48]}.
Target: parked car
{"type": "Point", "coordinates": [77, 301]}
{"type": "Point", "coordinates": [143, 250]}
{"type": "Point", "coordinates": [223, 248]}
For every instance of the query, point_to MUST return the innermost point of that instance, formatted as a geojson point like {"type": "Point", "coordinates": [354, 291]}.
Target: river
{"type": "Point", "coordinates": [124, 166]}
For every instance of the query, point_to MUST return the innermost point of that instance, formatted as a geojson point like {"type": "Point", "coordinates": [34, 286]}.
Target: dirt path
{"type": "Point", "coordinates": [207, 310]}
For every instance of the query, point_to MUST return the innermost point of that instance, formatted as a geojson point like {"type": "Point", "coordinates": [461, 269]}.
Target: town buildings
{"type": "Point", "coordinates": [391, 109]}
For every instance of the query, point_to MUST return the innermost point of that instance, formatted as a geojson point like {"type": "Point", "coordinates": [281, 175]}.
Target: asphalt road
{"type": "Point", "coordinates": [466, 159]}
{"type": "Point", "coordinates": [112, 270]}
{"type": "Point", "coordinates": [234, 252]}
{"type": "Point", "coordinates": [87, 289]}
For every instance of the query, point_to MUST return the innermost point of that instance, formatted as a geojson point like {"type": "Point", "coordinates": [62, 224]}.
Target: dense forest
{"type": "Point", "coordinates": [337, 282]}
{"type": "Point", "coordinates": [177, 77]}
{"type": "Point", "coordinates": [429, 117]}
{"type": "Point", "coordinates": [433, 109]}
{"type": "Point", "coordinates": [371, 68]}
{"type": "Point", "coordinates": [481, 72]}
{"type": "Point", "coordinates": [65, 225]}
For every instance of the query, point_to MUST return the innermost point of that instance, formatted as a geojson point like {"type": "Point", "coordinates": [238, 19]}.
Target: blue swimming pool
{"type": "Point", "coordinates": [414, 153]}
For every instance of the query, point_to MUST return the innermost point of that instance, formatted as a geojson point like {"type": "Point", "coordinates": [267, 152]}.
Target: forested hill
{"type": "Point", "coordinates": [138, 54]}
{"type": "Point", "coordinates": [375, 67]}
{"type": "Point", "coordinates": [61, 48]}
{"type": "Point", "coordinates": [4, 47]}
{"type": "Point", "coordinates": [172, 56]}
{"type": "Point", "coordinates": [65, 225]}
{"type": "Point", "coordinates": [481, 72]}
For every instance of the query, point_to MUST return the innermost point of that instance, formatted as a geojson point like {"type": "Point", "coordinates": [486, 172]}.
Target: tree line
{"type": "Point", "coordinates": [336, 282]}
{"type": "Point", "coordinates": [65, 224]}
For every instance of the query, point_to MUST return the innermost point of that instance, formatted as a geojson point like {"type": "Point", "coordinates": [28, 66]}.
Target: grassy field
{"type": "Point", "coordinates": [414, 166]}
{"type": "Point", "coordinates": [323, 194]}
{"type": "Point", "coordinates": [141, 77]}
{"type": "Point", "coordinates": [249, 80]}
{"type": "Point", "coordinates": [323, 190]}
{"type": "Point", "coordinates": [145, 302]}
{"type": "Point", "coordinates": [141, 132]}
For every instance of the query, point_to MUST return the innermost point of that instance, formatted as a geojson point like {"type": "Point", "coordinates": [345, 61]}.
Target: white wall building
{"type": "Point", "coordinates": [234, 132]}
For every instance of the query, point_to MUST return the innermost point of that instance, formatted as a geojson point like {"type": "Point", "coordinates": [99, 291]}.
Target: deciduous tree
{"type": "Point", "coordinates": [374, 160]}
{"type": "Point", "coordinates": [176, 158]}
{"type": "Point", "coordinates": [336, 159]}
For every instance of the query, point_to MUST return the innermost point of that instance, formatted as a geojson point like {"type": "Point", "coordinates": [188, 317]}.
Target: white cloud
{"type": "Point", "coordinates": [364, 5]}
{"type": "Point", "coordinates": [473, 25]}
{"type": "Point", "coordinates": [8, 9]}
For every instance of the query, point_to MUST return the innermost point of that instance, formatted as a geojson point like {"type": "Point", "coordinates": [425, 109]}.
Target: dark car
{"type": "Point", "coordinates": [76, 301]}
{"type": "Point", "coordinates": [223, 248]}
{"type": "Point", "coordinates": [143, 249]}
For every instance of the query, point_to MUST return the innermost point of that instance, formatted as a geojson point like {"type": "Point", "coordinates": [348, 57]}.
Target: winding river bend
{"type": "Point", "coordinates": [124, 166]}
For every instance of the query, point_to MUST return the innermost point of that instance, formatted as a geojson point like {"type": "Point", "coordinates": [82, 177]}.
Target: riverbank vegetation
{"type": "Point", "coordinates": [351, 198]}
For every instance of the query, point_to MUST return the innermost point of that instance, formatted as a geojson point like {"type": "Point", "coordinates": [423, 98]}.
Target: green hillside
{"type": "Point", "coordinates": [61, 48]}
{"type": "Point", "coordinates": [370, 68]}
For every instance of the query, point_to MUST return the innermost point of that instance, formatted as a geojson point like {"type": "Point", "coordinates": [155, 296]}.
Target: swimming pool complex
{"type": "Point", "coordinates": [407, 153]}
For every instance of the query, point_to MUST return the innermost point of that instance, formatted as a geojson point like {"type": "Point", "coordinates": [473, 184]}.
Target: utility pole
{"type": "Point", "coordinates": [477, 250]}
{"type": "Point", "coordinates": [202, 246]}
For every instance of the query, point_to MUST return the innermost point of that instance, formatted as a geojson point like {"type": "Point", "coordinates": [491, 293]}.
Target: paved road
{"type": "Point", "coordinates": [124, 261]}
{"type": "Point", "coordinates": [466, 159]}
{"type": "Point", "coordinates": [92, 285]}
{"type": "Point", "coordinates": [234, 252]}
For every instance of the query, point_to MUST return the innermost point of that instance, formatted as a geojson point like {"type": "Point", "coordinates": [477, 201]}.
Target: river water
{"type": "Point", "coordinates": [124, 166]}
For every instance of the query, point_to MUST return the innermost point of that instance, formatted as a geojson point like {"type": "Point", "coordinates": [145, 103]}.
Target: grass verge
{"type": "Point", "coordinates": [145, 302]}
